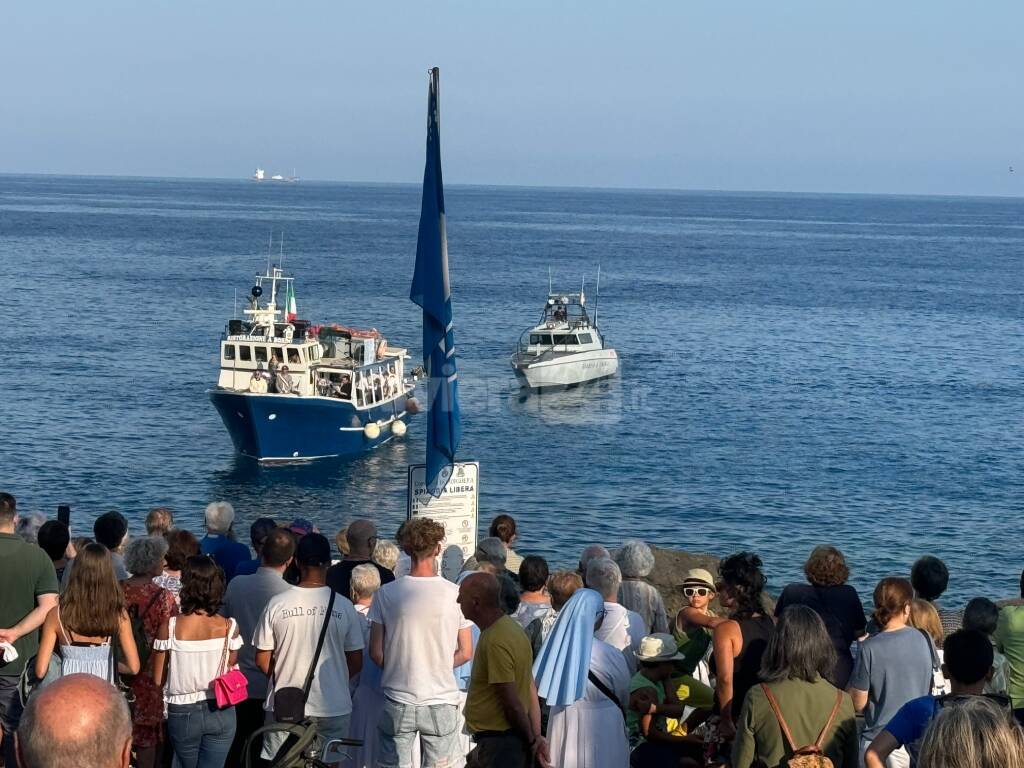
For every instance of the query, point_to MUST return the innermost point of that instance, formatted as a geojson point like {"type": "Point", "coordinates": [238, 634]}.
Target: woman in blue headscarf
{"type": "Point", "coordinates": [585, 681]}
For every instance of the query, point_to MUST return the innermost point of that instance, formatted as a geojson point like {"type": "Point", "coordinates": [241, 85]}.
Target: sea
{"type": "Point", "coordinates": [795, 369]}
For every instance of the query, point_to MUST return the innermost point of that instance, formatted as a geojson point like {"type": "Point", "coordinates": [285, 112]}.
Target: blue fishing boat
{"type": "Point", "coordinates": [290, 391]}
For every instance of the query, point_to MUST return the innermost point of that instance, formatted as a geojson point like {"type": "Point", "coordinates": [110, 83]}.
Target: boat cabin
{"type": "Point", "coordinates": [565, 327]}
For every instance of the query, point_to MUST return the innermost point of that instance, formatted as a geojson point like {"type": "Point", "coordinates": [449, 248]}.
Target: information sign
{"type": "Point", "coordinates": [455, 509]}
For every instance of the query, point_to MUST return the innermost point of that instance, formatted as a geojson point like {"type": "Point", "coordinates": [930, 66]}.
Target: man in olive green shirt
{"type": "Point", "coordinates": [1009, 639]}
{"type": "Point", "coordinates": [29, 592]}
{"type": "Point", "coordinates": [502, 710]}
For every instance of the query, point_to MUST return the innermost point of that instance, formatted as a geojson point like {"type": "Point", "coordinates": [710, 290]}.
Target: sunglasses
{"type": "Point", "coordinates": [699, 591]}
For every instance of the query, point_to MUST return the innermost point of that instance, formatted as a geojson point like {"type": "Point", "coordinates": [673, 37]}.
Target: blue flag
{"type": "Point", "coordinates": [431, 290]}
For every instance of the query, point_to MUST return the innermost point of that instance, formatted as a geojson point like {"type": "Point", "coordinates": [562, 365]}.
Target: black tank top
{"type": "Point", "coordinates": [755, 633]}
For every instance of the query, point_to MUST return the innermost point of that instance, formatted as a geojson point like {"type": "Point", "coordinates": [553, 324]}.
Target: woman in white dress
{"type": "Point", "coordinates": [585, 681]}
{"type": "Point", "coordinates": [367, 697]}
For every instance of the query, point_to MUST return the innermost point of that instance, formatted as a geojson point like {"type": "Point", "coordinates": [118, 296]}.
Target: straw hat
{"type": "Point", "coordinates": [698, 577]}
{"type": "Point", "coordinates": [658, 647]}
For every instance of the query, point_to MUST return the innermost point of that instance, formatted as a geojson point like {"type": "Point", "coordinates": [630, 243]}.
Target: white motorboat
{"type": "Point", "coordinates": [565, 348]}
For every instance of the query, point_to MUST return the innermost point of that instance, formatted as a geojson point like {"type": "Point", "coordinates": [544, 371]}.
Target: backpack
{"type": "Point", "coordinates": [809, 756]}
{"type": "Point", "coordinates": [137, 620]}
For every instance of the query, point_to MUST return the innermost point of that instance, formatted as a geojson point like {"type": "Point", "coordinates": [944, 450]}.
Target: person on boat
{"type": "Point", "coordinates": [344, 388]}
{"type": "Point", "coordinates": [283, 382]}
{"type": "Point", "coordinates": [258, 382]}
{"type": "Point", "coordinates": [272, 368]}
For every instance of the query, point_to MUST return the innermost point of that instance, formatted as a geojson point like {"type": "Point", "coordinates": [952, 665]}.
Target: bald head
{"type": "Point", "coordinates": [362, 536]}
{"type": "Point", "coordinates": [479, 595]}
{"type": "Point", "coordinates": [77, 720]}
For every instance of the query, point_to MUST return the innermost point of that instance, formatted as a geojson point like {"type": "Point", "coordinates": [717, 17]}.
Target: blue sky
{"type": "Point", "coordinates": [906, 96]}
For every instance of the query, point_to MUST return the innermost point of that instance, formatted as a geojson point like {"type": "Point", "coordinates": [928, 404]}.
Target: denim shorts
{"type": "Point", "coordinates": [436, 725]}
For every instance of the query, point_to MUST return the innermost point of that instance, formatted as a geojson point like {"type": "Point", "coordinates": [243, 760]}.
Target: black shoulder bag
{"type": "Point", "coordinates": [290, 703]}
{"type": "Point", "coordinates": [599, 684]}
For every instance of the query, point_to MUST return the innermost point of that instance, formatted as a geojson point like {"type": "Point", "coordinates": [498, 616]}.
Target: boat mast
{"type": "Point", "coordinates": [597, 294]}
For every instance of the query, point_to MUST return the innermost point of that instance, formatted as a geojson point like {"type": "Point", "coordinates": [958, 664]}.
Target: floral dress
{"type": "Point", "coordinates": [155, 605]}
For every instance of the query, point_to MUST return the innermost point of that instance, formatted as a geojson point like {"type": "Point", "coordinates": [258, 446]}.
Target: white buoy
{"type": "Point", "coordinates": [398, 427]}
{"type": "Point", "coordinates": [412, 405]}
{"type": "Point", "coordinates": [372, 430]}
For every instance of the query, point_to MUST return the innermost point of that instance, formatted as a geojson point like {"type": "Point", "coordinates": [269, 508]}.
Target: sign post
{"type": "Point", "coordinates": [456, 509]}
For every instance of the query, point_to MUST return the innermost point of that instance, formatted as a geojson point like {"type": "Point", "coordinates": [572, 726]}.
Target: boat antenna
{"type": "Point", "coordinates": [597, 293]}
{"type": "Point", "coordinates": [234, 306]}
{"type": "Point", "coordinates": [270, 248]}
{"type": "Point", "coordinates": [282, 251]}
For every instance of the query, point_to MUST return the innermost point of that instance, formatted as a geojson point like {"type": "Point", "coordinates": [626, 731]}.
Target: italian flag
{"type": "Point", "coordinates": [289, 304]}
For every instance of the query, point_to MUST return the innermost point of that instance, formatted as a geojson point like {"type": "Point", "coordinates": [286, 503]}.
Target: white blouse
{"type": "Point", "coordinates": [193, 665]}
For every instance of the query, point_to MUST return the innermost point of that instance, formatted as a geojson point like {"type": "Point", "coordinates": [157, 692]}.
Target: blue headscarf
{"type": "Point", "coordinates": [564, 660]}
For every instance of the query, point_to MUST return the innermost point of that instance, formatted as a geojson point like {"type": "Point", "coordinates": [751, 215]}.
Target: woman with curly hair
{"type": "Point", "coordinates": [828, 595]}
{"type": "Point", "coordinates": [188, 653]}
{"type": "Point", "coordinates": [740, 642]}
{"type": "Point", "coordinates": [181, 545]}
{"type": "Point", "coordinates": [152, 605]}
{"type": "Point", "coordinates": [636, 561]}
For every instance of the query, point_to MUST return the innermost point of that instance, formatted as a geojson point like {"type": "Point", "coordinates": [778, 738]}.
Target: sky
{"type": "Point", "coordinates": [791, 95]}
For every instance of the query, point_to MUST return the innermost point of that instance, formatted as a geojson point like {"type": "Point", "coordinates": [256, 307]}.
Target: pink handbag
{"type": "Point", "coordinates": [230, 687]}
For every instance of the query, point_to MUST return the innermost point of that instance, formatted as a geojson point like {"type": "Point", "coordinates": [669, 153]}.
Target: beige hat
{"type": "Point", "coordinates": [659, 647]}
{"type": "Point", "coordinates": [698, 577]}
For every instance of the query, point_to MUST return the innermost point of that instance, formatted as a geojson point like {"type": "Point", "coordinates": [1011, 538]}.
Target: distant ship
{"type": "Point", "coordinates": [261, 175]}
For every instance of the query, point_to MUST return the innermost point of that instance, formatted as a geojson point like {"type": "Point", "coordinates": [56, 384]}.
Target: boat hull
{"type": "Point", "coordinates": [567, 370]}
{"type": "Point", "coordinates": [275, 428]}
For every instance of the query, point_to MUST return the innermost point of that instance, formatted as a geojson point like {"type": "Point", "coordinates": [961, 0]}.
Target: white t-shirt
{"type": "Point", "coordinates": [623, 629]}
{"type": "Point", "coordinates": [290, 626]}
{"type": "Point", "coordinates": [421, 619]}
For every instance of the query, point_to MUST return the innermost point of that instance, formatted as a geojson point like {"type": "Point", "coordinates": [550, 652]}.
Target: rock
{"type": "Point", "coordinates": [670, 567]}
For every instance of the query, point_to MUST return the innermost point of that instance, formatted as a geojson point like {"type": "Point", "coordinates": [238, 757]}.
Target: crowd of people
{"type": "Point", "coordinates": [166, 647]}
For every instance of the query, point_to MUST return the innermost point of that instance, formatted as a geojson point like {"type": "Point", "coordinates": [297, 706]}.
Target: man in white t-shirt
{"type": "Point", "coordinates": [620, 626]}
{"type": "Point", "coordinates": [418, 635]}
{"type": "Point", "coordinates": [286, 639]}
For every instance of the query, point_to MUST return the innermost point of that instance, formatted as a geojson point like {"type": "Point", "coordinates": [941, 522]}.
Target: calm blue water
{"type": "Point", "coordinates": [795, 369]}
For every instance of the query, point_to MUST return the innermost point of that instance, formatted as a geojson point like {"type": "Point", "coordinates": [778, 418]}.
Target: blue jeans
{"type": "Point", "coordinates": [201, 734]}
{"type": "Point", "coordinates": [435, 725]}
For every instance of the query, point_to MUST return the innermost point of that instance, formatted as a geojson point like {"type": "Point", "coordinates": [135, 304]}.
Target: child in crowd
{"type": "Point", "coordinates": [694, 623]}
{"type": "Point", "coordinates": [654, 708]}
{"type": "Point", "coordinates": [982, 615]}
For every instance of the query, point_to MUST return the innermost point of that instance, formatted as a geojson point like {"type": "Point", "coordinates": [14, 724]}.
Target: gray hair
{"type": "Point", "coordinates": [43, 739]}
{"type": "Point", "coordinates": [144, 554]}
{"type": "Point", "coordinates": [635, 559]}
{"type": "Point", "coordinates": [364, 582]}
{"type": "Point", "coordinates": [385, 554]}
{"type": "Point", "coordinates": [974, 732]}
{"type": "Point", "coordinates": [28, 527]}
{"type": "Point", "coordinates": [491, 550]}
{"type": "Point", "coordinates": [220, 515]}
{"type": "Point", "coordinates": [800, 648]}
{"type": "Point", "coordinates": [593, 552]}
{"type": "Point", "coordinates": [604, 576]}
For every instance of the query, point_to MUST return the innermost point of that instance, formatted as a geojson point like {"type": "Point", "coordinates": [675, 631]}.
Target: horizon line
{"type": "Point", "coordinates": [485, 185]}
